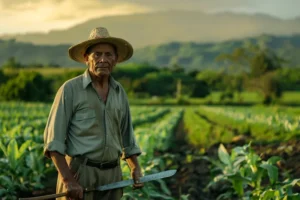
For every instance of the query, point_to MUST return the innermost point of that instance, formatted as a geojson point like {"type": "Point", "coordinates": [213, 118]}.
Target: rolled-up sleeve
{"type": "Point", "coordinates": [57, 125]}
{"type": "Point", "coordinates": [130, 146]}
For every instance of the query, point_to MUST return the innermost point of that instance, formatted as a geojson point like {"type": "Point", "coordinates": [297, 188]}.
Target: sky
{"type": "Point", "coordinates": [21, 16]}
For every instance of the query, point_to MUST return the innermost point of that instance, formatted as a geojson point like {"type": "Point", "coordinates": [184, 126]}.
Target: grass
{"type": "Point", "coordinates": [288, 98]}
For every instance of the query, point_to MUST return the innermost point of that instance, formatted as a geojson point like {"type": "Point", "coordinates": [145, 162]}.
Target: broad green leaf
{"type": "Point", "coordinates": [239, 150]}
{"type": "Point", "coordinates": [223, 155]}
{"type": "Point", "coordinates": [267, 195]}
{"type": "Point", "coordinates": [274, 159]}
{"type": "Point", "coordinates": [24, 146]}
{"type": "Point", "coordinates": [184, 197]}
{"type": "Point", "coordinates": [238, 183]}
{"type": "Point", "coordinates": [238, 161]}
{"type": "Point", "coordinates": [2, 192]}
{"type": "Point", "coordinates": [13, 153]}
{"type": "Point", "coordinates": [238, 187]}
{"type": "Point", "coordinates": [3, 148]}
{"type": "Point", "coordinates": [6, 181]}
{"type": "Point", "coordinates": [31, 161]}
{"type": "Point", "coordinates": [295, 182]}
{"type": "Point", "coordinates": [295, 196]}
{"type": "Point", "coordinates": [272, 172]}
{"type": "Point", "coordinates": [257, 178]}
{"type": "Point", "coordinates": [129, 194]}
{"type": "Point", "coordinates": [164, 187]}
{"type": "Point", "coordinates": [226, 195]}
{"type": "Point", "coordinates": [155, 194]}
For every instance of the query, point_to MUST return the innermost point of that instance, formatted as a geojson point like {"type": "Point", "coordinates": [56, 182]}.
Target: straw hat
{"type": "Point", "coordinates": [101, 35]}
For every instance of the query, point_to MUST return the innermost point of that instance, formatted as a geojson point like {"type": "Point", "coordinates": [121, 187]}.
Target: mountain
{"type": "Point", "coordinates": [170, 26]}
{"type": "Point", "coordinates": [199, 56]}
{"type": "Point", "coordinates": [190, 55]}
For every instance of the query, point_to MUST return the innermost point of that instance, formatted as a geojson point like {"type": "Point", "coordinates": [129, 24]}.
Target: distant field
{"type": "Point", "coordinates": [289, 97]}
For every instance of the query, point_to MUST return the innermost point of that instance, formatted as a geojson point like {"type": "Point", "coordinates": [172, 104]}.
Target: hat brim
{"type": "Point", "coordinates": [124, 48]}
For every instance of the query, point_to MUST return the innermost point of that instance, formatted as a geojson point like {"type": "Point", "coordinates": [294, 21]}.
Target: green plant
{"type": "Point", "coordinates": [250, 177]}
{"type": "Point", "coordinates": [21, 168]}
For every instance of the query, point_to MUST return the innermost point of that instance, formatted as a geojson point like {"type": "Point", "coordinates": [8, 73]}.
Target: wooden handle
{"type": "Point", "coordinates": [45, 196]}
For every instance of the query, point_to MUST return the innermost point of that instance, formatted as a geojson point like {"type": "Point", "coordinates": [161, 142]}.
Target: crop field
{"type": "Point", "coordinates": [189, 139]}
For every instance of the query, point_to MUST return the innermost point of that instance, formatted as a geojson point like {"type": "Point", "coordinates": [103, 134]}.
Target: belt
{"type": "Point", "coordinates": [105, 165]}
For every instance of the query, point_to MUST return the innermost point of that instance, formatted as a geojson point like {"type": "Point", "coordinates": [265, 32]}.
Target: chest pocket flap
{"type": "Point", "coordinates": [85, 115]}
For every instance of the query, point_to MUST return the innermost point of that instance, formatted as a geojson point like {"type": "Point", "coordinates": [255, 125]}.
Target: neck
{"type": "Point", "coordinates": [100, 81]}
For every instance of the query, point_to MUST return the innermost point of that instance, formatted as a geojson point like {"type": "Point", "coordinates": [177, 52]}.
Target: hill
{"type": "Point", "coordinates": [190, 55]}
{"type": "Point", "coordinates": [164, 27]}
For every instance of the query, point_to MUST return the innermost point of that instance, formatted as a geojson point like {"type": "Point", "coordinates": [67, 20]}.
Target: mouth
{"type": "Point", "coordinates": [101, 67]}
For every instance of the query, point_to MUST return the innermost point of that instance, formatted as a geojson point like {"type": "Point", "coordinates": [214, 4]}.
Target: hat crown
{"type": "Point", "coordinates": [99, 32]}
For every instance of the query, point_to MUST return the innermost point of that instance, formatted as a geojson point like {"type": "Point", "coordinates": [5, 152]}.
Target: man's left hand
{"type": "Point", "coordinates": [136, 174]}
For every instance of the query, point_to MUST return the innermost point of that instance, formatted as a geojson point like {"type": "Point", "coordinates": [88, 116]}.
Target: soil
{"type": "Point", "coordinates": [193, 174]}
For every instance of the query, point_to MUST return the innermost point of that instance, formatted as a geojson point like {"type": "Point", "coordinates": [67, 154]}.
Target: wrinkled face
{"type": "Point", "coordinates": [101, 59]}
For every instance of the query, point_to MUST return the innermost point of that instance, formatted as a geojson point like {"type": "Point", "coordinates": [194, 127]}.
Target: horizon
{"type": "Point", "coordinates": [16, 16]}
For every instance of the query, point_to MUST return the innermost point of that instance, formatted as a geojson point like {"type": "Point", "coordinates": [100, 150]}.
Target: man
{"type": "Point", "coordinates": [89, 126]}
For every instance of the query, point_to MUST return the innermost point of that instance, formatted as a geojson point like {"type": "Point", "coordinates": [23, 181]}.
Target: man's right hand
{"type": "Point", "coordinates": [74, 190]}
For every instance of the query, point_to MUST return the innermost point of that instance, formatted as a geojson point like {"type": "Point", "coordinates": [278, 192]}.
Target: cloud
{"type": "Point", "coordinates": [36, 15]}
{"type": "Point", "coordinates": [44, 15]}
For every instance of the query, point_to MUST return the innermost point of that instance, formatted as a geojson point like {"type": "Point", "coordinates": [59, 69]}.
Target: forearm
{"type": "Point", "coordinates": [132, 162]}
{"type": "Point", "coordinates": [62, 166]}
{"type": "Point", "coordinates": [136, 172]}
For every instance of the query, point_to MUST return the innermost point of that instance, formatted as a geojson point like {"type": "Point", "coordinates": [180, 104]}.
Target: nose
{"type": "Point", "coordinates": [102, 58]}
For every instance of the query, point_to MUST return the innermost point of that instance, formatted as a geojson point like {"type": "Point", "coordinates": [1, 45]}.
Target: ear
{"type": "Point", "coordinates": [86, 58]}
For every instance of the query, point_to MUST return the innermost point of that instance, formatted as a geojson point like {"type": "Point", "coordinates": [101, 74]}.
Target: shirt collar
{"type": "Point", "coordinates": [87, 80]}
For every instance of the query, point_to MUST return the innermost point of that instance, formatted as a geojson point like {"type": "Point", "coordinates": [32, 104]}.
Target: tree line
{"type": "Point", "coordinates": [250, 69]}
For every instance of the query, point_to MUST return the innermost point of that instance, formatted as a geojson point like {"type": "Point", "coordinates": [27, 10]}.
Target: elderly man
{"type": "Point", "coordinates": [89, 127]}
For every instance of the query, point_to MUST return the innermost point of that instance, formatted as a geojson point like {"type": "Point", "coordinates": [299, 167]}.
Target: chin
{"type": "Point", "coordinates": [102, 74]}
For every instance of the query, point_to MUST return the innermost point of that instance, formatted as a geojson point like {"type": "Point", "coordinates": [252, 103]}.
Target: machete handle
{"type": "Point", "coordinates": [50, 196]}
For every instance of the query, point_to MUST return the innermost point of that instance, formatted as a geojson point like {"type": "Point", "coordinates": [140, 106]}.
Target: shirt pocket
{"type": "Point", "coordinates": [85, 115]}
{"type": "Point", "coordinates": [84, 121]}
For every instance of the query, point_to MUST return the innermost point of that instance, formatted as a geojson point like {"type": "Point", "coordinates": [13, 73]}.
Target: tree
{"type": "Point", "coordinates": [27, 86]}
{"type": "Point", "coordinates": [11, 63]}
{"type": "Point", "coordinates": [259, 63]}
{"type": "Point", "coordinates": [3, 78]}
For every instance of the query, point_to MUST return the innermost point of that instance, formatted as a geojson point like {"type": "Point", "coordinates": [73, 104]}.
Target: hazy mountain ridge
{"type": "Point", "coordinates": [190, 55]}
{"type": "Point", "coordinates": [164, 27]}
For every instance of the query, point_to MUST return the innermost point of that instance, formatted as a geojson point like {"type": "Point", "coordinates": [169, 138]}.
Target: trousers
{"type": "Point", "coordinates": [92, 177]}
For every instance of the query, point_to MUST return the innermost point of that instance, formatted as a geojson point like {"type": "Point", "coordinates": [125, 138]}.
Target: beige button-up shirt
{"type": "Point", "coordinates": [80, 123]}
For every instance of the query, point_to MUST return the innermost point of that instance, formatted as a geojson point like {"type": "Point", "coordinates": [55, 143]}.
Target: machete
{"type": "Point", "coordinates": [110, 186]}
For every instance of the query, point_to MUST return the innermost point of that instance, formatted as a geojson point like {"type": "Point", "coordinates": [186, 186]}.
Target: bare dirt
{"type": "Point", "coordinates": [194, 174]}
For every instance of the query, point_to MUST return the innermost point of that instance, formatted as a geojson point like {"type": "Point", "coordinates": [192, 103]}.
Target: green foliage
{"type": "Point", "coordinates": [11, 63]}
{"type": "Point", "coordinates": [144, 81]}
{"type": "Point", "coordinates": [24, 169]}
{"type": "Point", "coordinates": [202, 133]}
{"type": "Point", "coordinates": [259, 64]}
{"type": "Point", "coordinates": [58, 80]}
{"type": "Point", "coordinates": [133, 71]}
{"type": "Point", "coordinates": [26, 86]}
{"type": "Point", "coordinates": [289, 79]}
{"type": "Point", "coordinates": [249, 176]}
{"type": "Point", "coordinates": [262, 123]}
{"type": "Point", "coordinates": [3, 77]}
{"type": "Point", "coordinates": [21, 168]}
{"type": "Point", "coordinates": [200, 90]}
